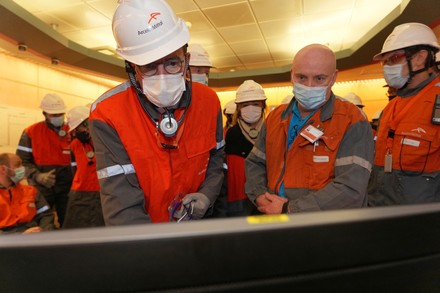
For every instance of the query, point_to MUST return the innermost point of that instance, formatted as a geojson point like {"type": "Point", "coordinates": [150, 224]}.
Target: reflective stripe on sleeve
{"type": "Point", "coordinates": [115, 170]}
{"type": "Point", "coordinates": [220, 144]}
{"type": "Point", "coordinates": [42, 209]}
{"type": "Point", "coordinates": [73, 164]}
{"type": "Point", "coordinates": [353, 160]}
{"type": "Point", "coordinates": [24, 149]}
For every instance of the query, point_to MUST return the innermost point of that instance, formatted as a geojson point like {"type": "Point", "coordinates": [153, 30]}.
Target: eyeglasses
{"type": "Point", "coordinates": [185, 211]}
{"type": "Point", "coordinates": [171, 66]}
{"type": "Point", "coordinates": [394, 59]}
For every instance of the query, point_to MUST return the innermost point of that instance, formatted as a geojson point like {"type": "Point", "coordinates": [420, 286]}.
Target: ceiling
{"type": "Point", "coordinates": [252, 37]}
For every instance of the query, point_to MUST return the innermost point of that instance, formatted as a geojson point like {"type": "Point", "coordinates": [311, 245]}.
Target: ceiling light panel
{"type": "Point", "coordinates": [230, 15]}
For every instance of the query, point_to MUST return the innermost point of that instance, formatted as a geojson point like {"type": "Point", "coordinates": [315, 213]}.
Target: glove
{"type": "Point", "coordinates": [199, 204]}
{"type": "Point", "coordinates": [46, 179]}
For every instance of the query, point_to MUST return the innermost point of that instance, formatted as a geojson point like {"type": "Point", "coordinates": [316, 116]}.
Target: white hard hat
{"type": "Point", "coordinates": [287, 99]}
{"type": "Point", "coordinates": [249, 90]}
{"type": "Point", "coordinates": [354, 99]}
{"type": "Point", "coordinates": [146, 31]}
{"type": "Point", "coordinates": [199, 56]}
{"type": "Point", "coordinates": [76, 116]}
{"type": "Point", "coordinates": [376, 115]}
{"type": "Point", "coordinates": [53, 104]}
{"type": "Point", "coordinates": [408, 35]}
{"type": "Point", "coordinates": [230, 107]}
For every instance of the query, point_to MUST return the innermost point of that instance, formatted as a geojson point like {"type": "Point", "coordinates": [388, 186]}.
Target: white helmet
{"type": "Point", "coordinates": [230, 107]}
{"type": "Point", "coordinates": [354, 99]}
{"type": "Point", "coordinates": [249, 90]}
{"type": "Point", "coordinates": [53, 104]}
{"type": "Point", "coordinates": [199, 56]}
{"type": "Point", "coordinates": [146, 31]}
{"type": "Point", "coordinates": [408, 35]}
{"type": "Point", "coordinates": [376, 115]}
{"type": "Point", "coordinates": [76, 116]}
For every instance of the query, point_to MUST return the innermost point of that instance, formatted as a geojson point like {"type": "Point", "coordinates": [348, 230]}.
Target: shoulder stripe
{"type": "Point", "coordinates": [353, 160]}
{"type": "Point", "coordinates": [120, 88]}
{"type": "Point", "coordinates": [24, 149]}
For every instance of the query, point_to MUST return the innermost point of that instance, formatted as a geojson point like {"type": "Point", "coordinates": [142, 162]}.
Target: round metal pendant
{"type": "Point", "coordinates": [253, 133]}
{"type": "Point", "coordinates": [62, 133]}
{"type": "Point", "coordinates": [90, 154]}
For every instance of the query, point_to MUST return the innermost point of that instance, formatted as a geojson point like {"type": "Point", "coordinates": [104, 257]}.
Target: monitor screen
{"type": "Point", "coordinates": [388, 249]}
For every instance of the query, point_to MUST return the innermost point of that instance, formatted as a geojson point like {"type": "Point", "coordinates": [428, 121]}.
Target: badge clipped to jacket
{"type": "Point", "coordinates": [311, 133]}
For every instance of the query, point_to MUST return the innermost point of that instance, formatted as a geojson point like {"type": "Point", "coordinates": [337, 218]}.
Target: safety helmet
{"type": "Point", "coordinates": [199, 56]}
{"type": "Point", "coordinates": [376, 115]}
{"type": "Point", "coordinates": [249, 90]}
{"type": "Point", "coordinates": [53, 104]}
{"type": "Point", "coordinates": [146, 31]}
{"type": "Point", "coordinates": [76, 116]}
{"type": "Point", "coordinates": [408, 35]}
{"type": "Point", "coordinates": [230, 107]}
{"type": "Point", "coordinates": [354, 99]}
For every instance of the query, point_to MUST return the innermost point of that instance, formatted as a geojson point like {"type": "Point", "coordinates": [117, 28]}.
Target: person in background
{"type": "Point", "coordinates": [356, 100]}
{"type": "Point", "coordinates": [84, 206]}
{"type": "Point", "coordinates": [44, 148]}
{"type": "Point", "coordinates": [407, 160]}
{"type": "Point", "coordinates": [199, 64]}
{"type": "Point", "coordinates": [240, 138]}
{"type": "Point", "coordinates": [316, 152]}
{"type": "Point", "coordinates": [375, 122]}
{"type": "Point", "coordinates": [391, 92]}
{"type": "Point", "coordinates": [229, 111]}
{"type": "Point", "coordinates": [158, 138]}
{"type": "Point", "coordinates": [22, 208]}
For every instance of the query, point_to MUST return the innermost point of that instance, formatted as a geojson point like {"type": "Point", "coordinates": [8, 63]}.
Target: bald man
{"type": "Point", "coordinates": [314, 153]}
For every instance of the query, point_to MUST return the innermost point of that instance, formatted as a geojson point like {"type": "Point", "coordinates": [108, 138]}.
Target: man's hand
{"type": "Point", "coordinates": [270, 204]}
{"type": "Point", "coordinates": [33, 230]}
{"type": "Point", "coordinates": [46, 179]}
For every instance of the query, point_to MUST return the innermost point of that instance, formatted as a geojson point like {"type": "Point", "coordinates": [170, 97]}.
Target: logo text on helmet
{"type": "Point", "coordinates": [153, 16]}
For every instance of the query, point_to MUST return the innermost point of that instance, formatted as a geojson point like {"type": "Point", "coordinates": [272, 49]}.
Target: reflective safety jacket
{"type": "Point", "coordinates": [20, 205]}
{"type": "Point", "coordinates": [140, 171]}
{"type": "Point", "coordinates": [414, 147]}
{"type": "Point", "coordinates": [85, 178]}
{"type": "Point", "coordinates": [41, 150]}
{"type": "Point", "coordinates": [332, 173]}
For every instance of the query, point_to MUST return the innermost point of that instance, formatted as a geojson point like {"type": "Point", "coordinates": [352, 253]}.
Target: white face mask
{"type": "Point", "coordinates": [19, 174]}
{"type": "Point", "coordinates": [164, 90]}
{"type": "Point", "coordinates": [311, 98]}
{"type": "Point", "coordinates": [200, 78]}
{"type": "Point", "coordinates": [251, 113]}
{"type": "Point", "coordinates": [57, 121]}
{"type": "Point", "coordinates": [393, 75]}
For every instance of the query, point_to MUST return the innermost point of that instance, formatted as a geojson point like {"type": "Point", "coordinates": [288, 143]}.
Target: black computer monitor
{"type": "Point", "coordinates": [391, 249]}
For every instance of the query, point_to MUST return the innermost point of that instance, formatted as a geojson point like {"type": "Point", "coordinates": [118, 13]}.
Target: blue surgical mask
{"type": "Point", "coordinates": [393, 75]}
{"type": "Point", "coordinates": [19, 174]}
{"type": "Point", "coordinates": [200, 78]}
{"type": "Point", "coordinates": [310, 98]}
{"type": "Point", "coordinates": [57, 121]}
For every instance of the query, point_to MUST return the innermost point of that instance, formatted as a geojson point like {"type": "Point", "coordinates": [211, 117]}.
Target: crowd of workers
{"type": "Point", "coordinates": [154, 149]}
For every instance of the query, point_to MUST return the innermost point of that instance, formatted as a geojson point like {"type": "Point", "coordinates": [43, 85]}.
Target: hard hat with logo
{"type": "Point", "coordinates": [53, 104]}
{"type": "Point", "coordinates": [230, 107]}
{"type": "Point", "coordinates": [249, 90]}
{"type": "Point", "coordinates": [76, 116]}
{"type": "Point", "coordinates": [408, 35]}
{"type": "Point", "coordinates": [146, 31]}
{"type": "Point", "coordinates": [354, 99]}
{"type": "Point", "coordinates": [199, 56]}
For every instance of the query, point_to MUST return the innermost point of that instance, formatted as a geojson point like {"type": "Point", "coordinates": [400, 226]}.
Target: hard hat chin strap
{"type": "Point", "coordinates": [409, 53]}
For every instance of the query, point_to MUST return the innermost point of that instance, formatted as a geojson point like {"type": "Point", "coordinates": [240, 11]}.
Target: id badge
{"type": "Point", "coordinates": [388, 166]}
{"type": "Point", "coordinates": [311, 133]}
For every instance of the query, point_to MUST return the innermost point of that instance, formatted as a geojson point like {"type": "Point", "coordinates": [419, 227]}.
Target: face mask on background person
{"type": "Point", "coordinates": [83, 136]}
{"type": "Point", "coordinates": [163, 90]}
{"type": "Point", "coordinates": [311, 98]}
{"type": "Point", "coordinates": [19, 174]}
{"type": "Point", "coordinates": [251, 113]}
{"type": "Point", "coordinates": [393, 75]}
{"type": "Point", "coordinates": [200, 78]}
{"type": "Point", "coordinates": [57, 121]}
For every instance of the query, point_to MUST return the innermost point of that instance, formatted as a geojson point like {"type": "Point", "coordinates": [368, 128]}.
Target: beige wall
{"type": "Point", "coordinates": [23, 83]}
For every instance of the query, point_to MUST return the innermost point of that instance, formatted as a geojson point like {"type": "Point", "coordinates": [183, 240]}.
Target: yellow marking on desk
{"type": "Point", "coordinates": [265, 219]}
